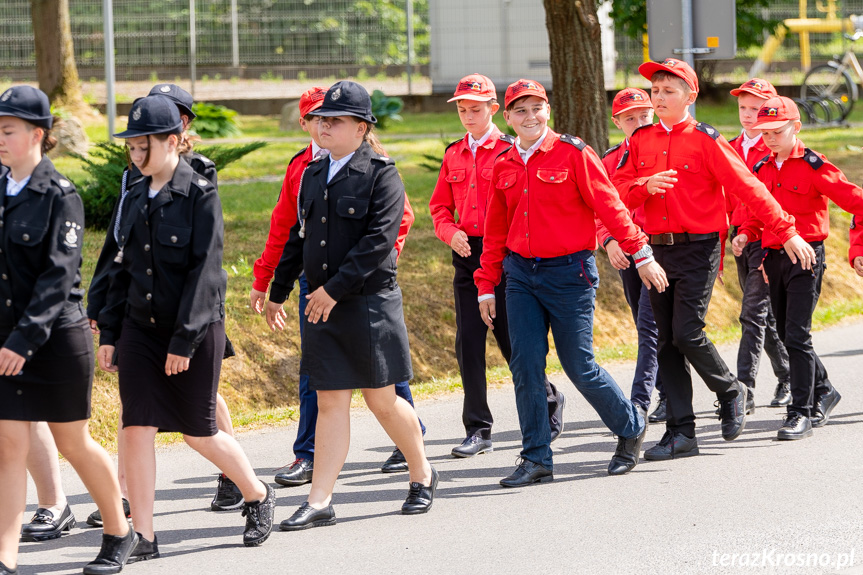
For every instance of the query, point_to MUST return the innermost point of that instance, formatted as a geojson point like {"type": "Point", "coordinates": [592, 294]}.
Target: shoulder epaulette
{"type": "Point", "coordinates": [451, 144]}
{"type": "Point", "coordinates": [201, 181]}
{"type": "Point", "coordinates": [507, 139]}
{"type": "Point", "coordinates": [573, 141]}
{"type": "Point", "coordinates": [611, 149]}
{"type": "Point", "coordinates": [66, 186]}
{"type": "Point", "coordinates": [203, 159]}
{"type": "Point", "coordinates": [707, 129]}
{"type": "Point", "coordinates": [760, 163]}
{"type": "Point", "coordinates": [297, 155]}
{"type": "Point", "coordinates": [641, 128]}
{"type": "Point", "coordinates": [813, 159]}
{"type": "Point", "coordinates": [853, 222]}
{"type": "Point", "coordinates": [504, 151]}
{"type": "Point", "coordinates": [385, 159]}
{"type": "Point", "coordinates": [623, 159]}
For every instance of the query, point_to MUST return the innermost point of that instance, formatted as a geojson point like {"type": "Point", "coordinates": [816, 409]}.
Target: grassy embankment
{"type": "Point", "coordinates": [260, 384]}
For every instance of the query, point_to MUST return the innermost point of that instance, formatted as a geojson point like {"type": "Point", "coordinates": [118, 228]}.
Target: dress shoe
{"type": "Point", "coordinates": [750, 400]}
{"type": "Point", "coordinates": [626, 455]}
{"type": "Point", "coordinates": [44, 526]}
{"type": "Point", "coordinates": [556, 419]}
{"type": "Point", "coordinates": [395, 463]}
{"type": "Point", "coordinates": [673, 445]}
{"type": "Point", "coordinates": [95, 518]}
{"type": "Point", "coordinates": [145, 550]}
{"type": "Point", "coordinates": [659, 414]}
{"type": "Point", "coordinates": [732, 414]}
{"type": "Point", "coordinates": [420, 497]}
{"type": "Point", "coordinates": [527, 473]}
{"type": "Point", "coordinates": [259, 518]}
{"type": "Point", "coordinates": [307, 517]}
{"type": "Point", "coordinates": [823, 406]}
{"type": "Point", "coordinates": [299, 473]}
{"type": "Point", "coordinates": [782, 395]}
{"type": "Point", "coordinates": [228, 496]}
{"type": "Point", "coordinates": [7, 570]}
{"type": "Point", "coordinates": [472, 445]}
{"type": "Point", "coordinates": [113, 555]}
{"type": "Point", "coordinates": [795, 426]}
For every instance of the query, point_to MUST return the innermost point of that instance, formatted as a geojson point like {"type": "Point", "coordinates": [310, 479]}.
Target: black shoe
{"type": "Point", "coordinates": [732, 414]}
{"type": "Point", "coordinates": [228, 496]}
{"type": "Point", "coordinates": [472, 445]}
{"type": "Point", "coordinates": [795, 426]}
{"type": "Point", "coordinates": [420, 497]}
{"type": "Point", "coordinates": [395, 463]}
{"type": "Point", "coordinates": [673, 445]}
{"type": "Point", "coordinates": [145, 550]}
{"type": "Point", "coordinates": [750, 400]}
{"type": "Point", "coordinates": [782, 395]}
{"type": "Point", "coordinates": [823, 406]}
{"type": "Point", "coordinates": [299, 473]}
{"type": "Point", "coordinates": [556, 419]}
{"type": "Point", "coordinates": [307, 517]}
{"type": "Point", "coordinates": [527, 473]}
{"type": "Point", "coordinates": [626, 455]}
{"type": "Point", "coordinates": [44, 526]}
{"type": "Point", "coordinates": [6, 570]}
{"type": "Point", "coordinates": [95, 518]}
{"type": "Point", "coordinates": [114, 554]}
{"type": "Point", "coordinates": [259, 518]}
{"type": "Point", "coordinates": [659, 414]}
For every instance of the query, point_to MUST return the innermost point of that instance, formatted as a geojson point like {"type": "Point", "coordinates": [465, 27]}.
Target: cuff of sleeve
{"type": "Point", "coordinates": [790, 233]}
{"type": "Point", "coordinates": [644, 261]}
{"type": "Point", "coordinates": [447, 234]}
{"type": "Point", "coordinates": [17, 343]}
{"type": "Point", "coordinates": [854, 252]}
{"type": "Point", "coordinates": [181, 347]}
{"type": "Point", "coordinates": [106, 337]}
{"type": "Point", "coordinates": [608, 239]}
{"type": "Point", "coordinates": [261, 282]}
{"type": "Point", "coordinates": [334, 289]}
{"type": "Point", "coordinates": [484, 297]}
{"type": "Point", "coordinates": [279, 293]}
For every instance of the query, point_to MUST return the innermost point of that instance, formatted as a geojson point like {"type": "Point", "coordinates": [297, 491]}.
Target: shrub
{"type": "Point", "coordinates": [214, 121]}
{"type": "Point", "coordinates": [386, 108]}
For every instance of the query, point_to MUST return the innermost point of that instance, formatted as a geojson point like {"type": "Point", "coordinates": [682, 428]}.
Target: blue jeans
{"type": "Point", "coordinates": [558, 293]}
{"type": "Point", "coordinates": [304, 445]}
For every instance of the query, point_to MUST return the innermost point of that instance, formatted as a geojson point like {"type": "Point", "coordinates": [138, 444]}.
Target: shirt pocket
{"type": "Point", "coordinates": [645, 164]}
{"type": "Point", "coordinates": [352, 216]}
{"type": "Point", "coordinates": [457, 180]}
{"type": "Point", "coordinates": [506, 180]}
{"type": "Point", "coordinates": [800, 197]}
{"type": "Point", "coordinates": [552, 176]}
{"type": "Point", "coordinates": [686, 164]}
{"type": "Point", "coordinates": [27, 235]}
{"type": "Point", "coordinates": [173, 243]}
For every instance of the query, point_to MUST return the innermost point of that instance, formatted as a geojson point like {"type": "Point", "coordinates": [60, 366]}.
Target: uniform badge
{"type": "Point", "coordinates": [813, 158]}
{"type": "Point", "coordinates": [202, 182]}
{"type": "Point", "coordinates": [64, 183]}
{"type": "Point", "coordinates": [165, 89]}
{"type": "Point", "coordinates": [6, 95]}
{"type": "Point", "coordinates": [136, 114]}
{"type": "Point", "coordinates": [711, 131]}
{"type": "Point", "coordinates": [70, 240]}
{"type": "Point", "coordinates": [337, 93]}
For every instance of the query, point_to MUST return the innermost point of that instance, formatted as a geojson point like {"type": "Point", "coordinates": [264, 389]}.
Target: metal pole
{"type": "Point", "coordinates": [410, 33]}
{"type": "Point", "coordinates": [686, 22]}
{"type": "Point", "coordinates": [192, 47]}
{"type": "Point", "coordinates": [110, 100]}
{"type": "Point", "coordinates": [235, 34]}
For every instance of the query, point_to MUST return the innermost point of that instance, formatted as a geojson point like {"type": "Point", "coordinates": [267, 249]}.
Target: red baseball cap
{"type": "Point", "coordinates": [775, 113]}
{"type": "Point", "coordinates": [475, 87]}
{"type": "Point", "coordinates": [629, 99]}
{"type": "Point", "coordinates": [521, 89]}
{"type": "Point", "coordinates": [677, 67]}
{"type": "Point", "coordinates": [757, 87]}
{"type": "Point", "coordinates": [311, 100]}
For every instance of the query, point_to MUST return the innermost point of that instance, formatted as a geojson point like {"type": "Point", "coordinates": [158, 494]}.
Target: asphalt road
{"type": "Point", "coordinates": [751, 506]}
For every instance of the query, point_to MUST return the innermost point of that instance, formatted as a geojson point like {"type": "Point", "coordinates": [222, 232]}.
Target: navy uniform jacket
{"type": "Point", "coordinates": [171, 275]}
{"type": "Point", "coordinates": [41, 234]}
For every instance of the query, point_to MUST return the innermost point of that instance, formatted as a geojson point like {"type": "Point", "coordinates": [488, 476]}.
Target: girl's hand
{"type": "Point", "coordinates": [276, 316]}
{"type": "Point", "coordinates": [94, 326]}
{"type": "Point", "coordinates": [10, 362]}
{"type": "Point", "coordinates": [616, 255]}
{"type": "Point", "coordinates": [738, 243]}
{"type": "Point", "coordinates": [858, 265]}
{"type": "Point", "coordinates": [320, 305]}
{"type": "Point", "coordinates": [175, 364]}
{"type": "Point", "coordinates": [256, 300]}
{"type": "Point", "coordinates": [105, 355]}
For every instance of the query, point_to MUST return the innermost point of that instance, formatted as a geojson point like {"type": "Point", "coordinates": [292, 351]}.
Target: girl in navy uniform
{"type": "Point", "coordinates": [350, 205]}
{"type": "Point", "coordinates": [164, 312]}
{"type": "Point", "coordinates": [46, 359]}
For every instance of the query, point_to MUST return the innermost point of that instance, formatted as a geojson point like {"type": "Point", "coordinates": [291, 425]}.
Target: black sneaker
{"type": "Point", "coordinates": [823, 406]}
{"type": "Point", "coordinates": [145, 550]}
{"type": "Point", "coordinates": [95, 518]}
{"type": "Point", "coordinates": [782, 395]}
{"type": "Point", "coordinates": [795, 426]}
{"type": "Point", "coordinates": [750, 400]}
{"type": "Point", "coordinates": [732, 414]}
{"type": "Point", "coordinates": [673, 445]}
{"type": "Point", "coordinates": [628, 450]}
{"type": "Point", "coordinates": [259, 519]}
{"type": "Point", "coordinates": [7, 570]}
{"type": "Point", "coordinates": [114, 554]}
{"type": "Point", "coordinates": [228, 496]}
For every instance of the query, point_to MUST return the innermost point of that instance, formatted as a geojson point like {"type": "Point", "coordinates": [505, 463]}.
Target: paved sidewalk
{"type": "Point", "coordinates": [755, 497]}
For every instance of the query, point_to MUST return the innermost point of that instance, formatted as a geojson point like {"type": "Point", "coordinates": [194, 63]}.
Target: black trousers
{"type": "Point", "coordinates": [470, 340]}
{"type": "Point", "coordinates": [679, 311]}
{"type": "Point", "coordinates": [794, 293]}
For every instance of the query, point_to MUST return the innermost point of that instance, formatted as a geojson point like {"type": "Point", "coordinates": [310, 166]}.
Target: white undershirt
{"type": "Point", "coordinates": [474, 144]}
{"type": "Point", "coordinates": [336, 165]}
{"type": "Point", "coordinates": [748, 143]}
{"type": "Point", "coordinates": [152, 193]}
{"type": "Point", "coordinates": [526, 154]}
{"type": "Point", "coordinates": [14, 188]}
{"type": "Point", "coordinates": [667, 129]}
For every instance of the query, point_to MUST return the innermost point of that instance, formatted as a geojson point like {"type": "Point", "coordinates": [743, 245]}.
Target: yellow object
{"type": "Point", "coordinates": [802, 26]}
{"type": "Point", "coordinates": [713, 42]}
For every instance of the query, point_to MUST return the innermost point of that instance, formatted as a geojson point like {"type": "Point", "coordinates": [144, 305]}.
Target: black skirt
{"type": "Point", "coordinates": [363, 344]}
{"type": "Point", "coordinates": [185, 402]}
{"type": "Point", "coordinates": [55, 385]}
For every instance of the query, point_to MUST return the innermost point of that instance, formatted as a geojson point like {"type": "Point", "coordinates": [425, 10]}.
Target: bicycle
{"type": "Point", "coordinates": [830, 86]}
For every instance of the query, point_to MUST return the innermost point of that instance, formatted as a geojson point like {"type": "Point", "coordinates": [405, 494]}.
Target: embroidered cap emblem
{"type": "Point", "coordinates": [6, 95]}
{"type": "Point", "coordinates": [670, 63]}
{"type": "Point", "coordinates": [136, 114]}
{"type": "Point", "coordinates": [165, 89]}
{"type": "Point", "coordinates": [337, 93]}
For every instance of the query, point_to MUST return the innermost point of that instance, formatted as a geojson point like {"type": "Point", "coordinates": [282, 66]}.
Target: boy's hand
{"type": "Point", "coordinates": [276, 316]}
{"type": "Point", "coordinates": [653, 275]}
{"type": "Point", "coordinates": [10, 362]}
{"type": "Point", "coordinates": [320, 305]}
{"type": "Point", "coordinates": [175, 364]}
{"type": "Point", "coordinates": [256, 300]}
{"type": "Point", "coordinates": [616, 255]}
{"type": "Point", "coordinates": [94, 326]}
{"type": "Point", "coordinates": [661, 181]}
{"type": "Point", "coordinates": [105, 355]}
{"type": "Point", "coordinates": [858, 265]}
{"type": "Point", "coordinates": [459, 244]}
{"type": "Point", "coordinates": [738, 243]}
{"type": "Point", "coordinates": [763, 274]}
{"type": "Point", "coordinates": [799, 249]}
{"type": "Point", "coordinates": [487, 312]}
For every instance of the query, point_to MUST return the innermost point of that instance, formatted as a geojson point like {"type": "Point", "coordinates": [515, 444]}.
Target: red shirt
{"type": "Point", "coordinates": [463, 186]}
{"type": "Point", "coordinates": [856, 238]}
{"type": "Point", "coordinates": [802, 186]}
{"type": "Point", "coordinates": [737, 210]}
{"type": "Point", "coordinates": [705, 164]}
{"type": "Point", "coordinates": [613, 158]}
{"type": "Point", "coordinates": [546, 208]}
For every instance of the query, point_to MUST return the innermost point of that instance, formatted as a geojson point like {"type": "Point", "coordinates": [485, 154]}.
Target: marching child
{"type": "Point", "coordinates": [855, 252]}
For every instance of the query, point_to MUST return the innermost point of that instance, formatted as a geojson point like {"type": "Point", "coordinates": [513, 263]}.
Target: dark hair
{"type": "Point", "coordinates": [662, 75]}
{"type": "Point", "coordinates": [182, 140]}
{"type": "Point", "coordinates": [49, 142]}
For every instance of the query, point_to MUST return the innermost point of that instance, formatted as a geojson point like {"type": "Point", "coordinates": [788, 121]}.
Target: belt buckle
{"type": "Point", "coordinates": [670, 239]}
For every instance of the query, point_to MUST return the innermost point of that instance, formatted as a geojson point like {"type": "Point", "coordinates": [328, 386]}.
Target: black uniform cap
{"type": "Point", "coordinates": [27, 103]}
{"type": "Point", "coordinates": [347, 98]}
{"type": "Point", "coordinates": [152, 115]}
{"type": "Point", "coordinates": [179, 96]}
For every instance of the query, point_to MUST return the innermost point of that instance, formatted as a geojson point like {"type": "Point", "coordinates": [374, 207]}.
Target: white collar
{"type": "Point", "coordinates": [525, 154]}
{"type": "Point", "coordinates": [14, 188]}
{"type": "Point", "coordinates": [473, 144]}
{"type": "Point", "coordinates": [747, 141]}
{"type": "Point", "coordinates": [336, 165]}
{"type": "Point", "coordinates": [667, 129]}
{"type": "Point", "coordinates": [316, 149]}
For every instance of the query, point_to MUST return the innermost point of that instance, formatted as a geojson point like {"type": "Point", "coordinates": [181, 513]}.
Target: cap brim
{"type": "Point", "coordinates": [528, 94]}
{"type": "Point", "coordinates": [773, 125]}
{"type": "Point", "coordinates": [41, 121]}
{"type": "Point", "coordinates": [648, 69]}
{"type": "Point", "coordinates": [737, 91]}
{"type": "Point", "coordinates": [125, 135]}
{"type": "Point", "coordinates": [333, 113]}
{"type": "Point", "coordinates": [184, 111]}
{"type": "Point", "coordinates": [471, 97]}
{"type": "Point", "coordinates": [647, 106]}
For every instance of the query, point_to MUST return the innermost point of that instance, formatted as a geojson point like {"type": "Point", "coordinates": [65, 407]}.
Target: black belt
{"type": "Point", "coordinates": [684, 238]}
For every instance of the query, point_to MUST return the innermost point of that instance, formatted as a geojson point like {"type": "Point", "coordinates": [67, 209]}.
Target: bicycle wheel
{"type": "Point", "coordinates": [830, 82]}
{"type": "Point", "coordinates": [821, 109]}
{"type": "Point", "coordinates": [807, 114]}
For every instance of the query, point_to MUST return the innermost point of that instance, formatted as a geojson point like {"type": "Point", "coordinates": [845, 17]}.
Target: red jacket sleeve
{"type": "Point", "coordinates": [284, 216]}
{"type": "Point", "coordinates": [632, 189]}
{"type": "Point", "coordinates": [442, 206]}
{"type": "Point", "coordinates": [404, 227]}
{"type": "Point", "coordinates": [856, 236]}
{"type": "Point", "coordinates": [494, 241]}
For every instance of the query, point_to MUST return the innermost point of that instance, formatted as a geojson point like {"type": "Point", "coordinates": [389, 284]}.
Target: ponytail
{"type": "Point", "coordinates": [372, 140]}
{"type": "Point", "coordinates": [187, 143]}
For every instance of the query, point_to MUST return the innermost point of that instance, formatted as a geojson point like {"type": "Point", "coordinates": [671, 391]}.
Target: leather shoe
{"type": "Point", "coordinates": [626, 455]}
{"type": "Point", "coordinates": [307, 517]}
{"type": "Point", "coordinates": [420, 497]}
{"type": "Point", "coordinates": [44, 526]}
{"type": "Point", "coordinates": [673, 445]}
{"type": "Point", "coordinates": [299, 473]}
{"type": "Point", "coordinates": [659, 414]}
{"type": "Point", "coordinates": [472, 445]}
{"type": "Point", "coordinates": [527, 473]}
{"type": "Point", "coordinates": [823, 406]}
{"type": "Point", "coordinates": [750, 400]}
{"type": "Point", "coordinates": [555, 421]}
{"type": "Point", "coordinates": [95, 518]}
{"type": "Point", "coordinates": [795, 426]}
{"type": "Point", "coordinates": [782, 395]}
{"type": "Point", "coordinates": [114, 554]}
{"type": "Point", "coordinates": [145, 550]}
{"type": "Point", "coordinates": [732, 414]}
{"type": "Point", "coordinates": [395, 463]}
{"type": "Point", "coordinates": [7, 570]}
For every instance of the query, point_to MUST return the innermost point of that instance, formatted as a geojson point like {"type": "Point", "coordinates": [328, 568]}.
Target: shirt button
{"type": "Point", "coordinates": [525, 213]}
{"type": "Point", "coordinates": [795, 187]}
{"type": "Point", "coordinates": [525, 190]}
{"type": "Point", "coordinates": [685, 166]}
{"type": "Point", "coordinates": [474, 207]}
{"type": "Point", "coordinates": [149, 272]}
{"type": "Point", "coordinates": [29, 352]}
{"type": "Point", "coordinates": [323, 220]}
{"type": "Point", "coordinates": [473, 185]}
{"type": "Point", "coordinates": [26, 237]}
{"type": "Point", "coordinates": [551, 178]}
{"type": "Point", "coordinates": [152, 320]}
{"type": "Point", "coordinates": [779, 185]}
{"type": "Point", "coordinates": [351, 211]}
{"type": "Point", "coordinates": [20, 392]}
{"type": "Point", "coordinates": [642, 163]}
{"type": "Point", "coordinates": [5, 277]}
{"type": "Point", "coordinates": [474, 226]}
{"type": "Point", "coordinates": [664, 153]}
{"type": "Point", "coordinates": [149, 296]}
{"type": "Point", "coordinates": [664, 218]}
{"type": "Point", "coordinates": [323, 243]}
{"type": "Point", "coordinates": [146, 247]}
{"type": "Point", "coordinates": [661, 197]}
{"type": "Point", "coordinates": [324, 266]}
{"type": "Point", "coordinates": [8, 303]}
{"type": "Point", "coordinates": [173, 239]}
{"type": "Point", "coordinates": [304, 212]}
{"type": "Point", "coordinates": [525, 235]}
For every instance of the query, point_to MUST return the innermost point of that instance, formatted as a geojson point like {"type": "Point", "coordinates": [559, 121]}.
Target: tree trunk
{"type": "Point", "coordinates": [55, 56]}
{"type": "Point", "coordinates": [575, 45]}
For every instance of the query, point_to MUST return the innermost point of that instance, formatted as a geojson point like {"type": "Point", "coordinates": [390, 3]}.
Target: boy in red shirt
{"type": "Point", "coordinates": [801, 180]}
{"type": "Point", "coordinates": [540, 230]}
{"type": "Point", "coordinates": [462, 188]}
{"type": "Point", "coordinates": [678, 169]}
{"type": "Point", "coordinates": [855, 252]}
